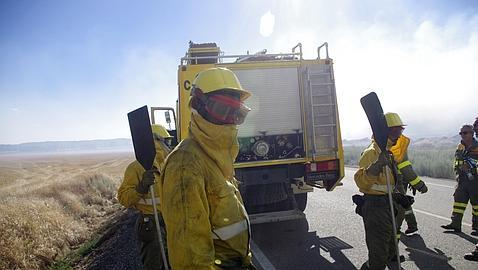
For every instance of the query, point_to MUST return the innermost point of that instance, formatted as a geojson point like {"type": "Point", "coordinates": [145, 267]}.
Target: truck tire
{"type": "Point", "coordinates": [301, 200]}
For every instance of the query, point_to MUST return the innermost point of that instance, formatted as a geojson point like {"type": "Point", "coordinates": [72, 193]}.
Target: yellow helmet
{"type": "Point", "coordinates": [159, 130]}
{"type": "Point", "coordinates": [219, 78]}
{"type": "Point", "coordinates": [393, 120]}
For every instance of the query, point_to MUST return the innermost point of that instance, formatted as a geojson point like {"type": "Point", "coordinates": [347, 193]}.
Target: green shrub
{"type": "Point", "coordinates": [352, 155]}
{"type": "Point", "coordinates": [436, 163]}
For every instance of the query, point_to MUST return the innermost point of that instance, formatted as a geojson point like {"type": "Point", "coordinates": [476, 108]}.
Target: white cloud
{"type": "Point", "coordinates": [422, 66]}
{"type": "Point", "coordinates": [267, 24]}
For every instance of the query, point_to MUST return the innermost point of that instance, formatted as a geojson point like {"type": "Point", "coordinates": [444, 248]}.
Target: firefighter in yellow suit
{"type": "Point", "coordinates": [407, 177]}
{"type": "Point", "coordinates": [376, 213]}
{"type": "Point", "coordinates": [134, 193]}
{"type": "Point", "coordinates": [466, 158]}
{"type": "Point", "coordinates": [206, 222]}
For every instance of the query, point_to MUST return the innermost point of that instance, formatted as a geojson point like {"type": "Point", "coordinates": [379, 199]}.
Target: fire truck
{"type": "Point", "coordinates": [290, 142]}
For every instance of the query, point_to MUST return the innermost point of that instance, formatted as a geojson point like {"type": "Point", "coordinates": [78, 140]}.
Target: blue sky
{"type": "Point", "coordinates": [71, 70]}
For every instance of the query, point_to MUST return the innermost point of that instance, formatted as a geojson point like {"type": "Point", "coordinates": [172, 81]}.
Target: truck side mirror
{"type": "Point", "coordinates": [168, 117]}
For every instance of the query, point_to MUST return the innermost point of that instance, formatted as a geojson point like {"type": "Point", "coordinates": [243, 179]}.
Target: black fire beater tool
{"type": "Point", "coordinates": [373, 110]}
{"type": "Point", "coordinates": [145, 153]}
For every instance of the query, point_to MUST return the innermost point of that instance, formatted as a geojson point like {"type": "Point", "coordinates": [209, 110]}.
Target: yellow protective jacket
{"type": "Point", "coordinates": [404, 166]}
{"type": "Point", "coordinates": [370, 184]}
{"type": "Point", "coordinates": [206, 222]}
{"type": "Point", "coordinates": [127, 194]}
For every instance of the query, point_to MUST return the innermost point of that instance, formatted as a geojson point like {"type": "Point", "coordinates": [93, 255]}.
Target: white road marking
{"type": "Point", "coordinates": [438, 216]}
{"type": "Point", "coordinates": [261, 257]}
{"type": "Point", "coordinates": [438, 185]}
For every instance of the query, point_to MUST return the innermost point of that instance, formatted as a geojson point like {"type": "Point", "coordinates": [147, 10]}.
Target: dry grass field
{"type": "Point", "coordinates": [52, 204]}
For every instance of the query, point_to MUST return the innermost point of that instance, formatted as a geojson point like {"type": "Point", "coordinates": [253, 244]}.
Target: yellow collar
{"type": "Point", "coordinates": [399, 150]}
{"type": "Point", "coordinates": [218, 141]}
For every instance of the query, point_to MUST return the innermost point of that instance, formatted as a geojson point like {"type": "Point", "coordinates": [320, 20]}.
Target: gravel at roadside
{"type": "Point", "coordinates": [118, 248]}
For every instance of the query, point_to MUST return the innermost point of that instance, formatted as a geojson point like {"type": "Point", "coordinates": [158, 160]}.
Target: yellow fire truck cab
{"type": "Point", "coordinates": [290, 141]}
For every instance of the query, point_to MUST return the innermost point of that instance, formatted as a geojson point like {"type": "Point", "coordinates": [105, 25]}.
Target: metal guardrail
{"type": "Point", "coordinates": [300, 49]}
{"type": "Point", "coordinates": [243, 57]}
{"type": "Point", "coordinates": [192, 58]}
{"type": "Point", "coordinates": [326, 50]}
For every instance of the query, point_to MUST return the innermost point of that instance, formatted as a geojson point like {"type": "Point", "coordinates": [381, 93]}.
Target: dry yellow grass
{"type": "Point", "coordinates": [52, 204]}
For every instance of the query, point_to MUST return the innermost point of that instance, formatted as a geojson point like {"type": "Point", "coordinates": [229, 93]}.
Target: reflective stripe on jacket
{"type": "Point", "coordinates": [408, 174]}
{"type": "Point", "coordinates": [229, 231]}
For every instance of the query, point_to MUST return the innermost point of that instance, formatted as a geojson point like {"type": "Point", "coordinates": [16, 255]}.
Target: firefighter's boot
{"type": "Point", "coordinates": [411, 231]}
{"type": "Point", "coordinates": [454, 225]}
{"type": "Point", "coordinates": [474, 226]}
{"type": "Point", "coordinates": [411, 222]}
{"type": "Point", "coordinates": [472, 256]}
{"type": "Point", "coordinates": [456, 216]}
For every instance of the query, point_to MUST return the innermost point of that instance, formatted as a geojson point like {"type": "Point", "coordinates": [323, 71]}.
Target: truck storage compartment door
{"type": "Point", "coordinates": [273, 128]}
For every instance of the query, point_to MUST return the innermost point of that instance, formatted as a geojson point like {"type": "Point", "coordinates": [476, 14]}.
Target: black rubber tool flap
{"type": "Point", "coordinates": [374, 111]}
{"type": "Point", "coordinates": [142, 136]}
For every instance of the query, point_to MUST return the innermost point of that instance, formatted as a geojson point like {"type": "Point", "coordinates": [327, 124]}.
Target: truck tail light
{"type": "Point", "coordinates": [311, 167]}
{"type": "Point", "coordinates": [328, 165]}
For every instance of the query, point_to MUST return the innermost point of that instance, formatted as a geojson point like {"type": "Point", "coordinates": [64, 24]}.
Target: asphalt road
{"type": "Point", "coordinates": [332, 235]}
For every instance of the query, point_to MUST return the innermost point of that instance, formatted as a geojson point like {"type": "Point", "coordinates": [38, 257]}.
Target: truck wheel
{"type": "Point", "coordinates": [301, 200]}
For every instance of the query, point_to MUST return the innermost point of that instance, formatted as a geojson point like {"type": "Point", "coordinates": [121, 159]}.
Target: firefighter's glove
{"type": "Point", "coordinates": [146, 181]}
{"type": "Point", "coordinates": [377, 167]}
{"type": "Point", "coordinates": [421, 187]}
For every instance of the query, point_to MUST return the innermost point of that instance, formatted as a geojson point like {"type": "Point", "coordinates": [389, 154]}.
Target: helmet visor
{"type": "Point", "coordinates": [226, 109]}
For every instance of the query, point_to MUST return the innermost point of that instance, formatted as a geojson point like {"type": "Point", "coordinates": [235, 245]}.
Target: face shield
{"type": "Point", "coordinates": [222, 107]}
{"type": "Point", "coordinates": [226, 109]}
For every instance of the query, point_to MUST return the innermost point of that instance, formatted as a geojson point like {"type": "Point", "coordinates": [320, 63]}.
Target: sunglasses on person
{"type": "Point", "coordinates": [465, 132]}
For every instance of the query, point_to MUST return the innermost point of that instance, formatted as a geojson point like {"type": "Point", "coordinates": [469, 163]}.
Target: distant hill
{"type": "Point", "coordinates": [112, 145]}
{"type": "Point", "coordinates": [357, 142]}
{"type": "Point", "coordinates": [420, 143]}
{"type": "Point", "coordinates": [436, 142]}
